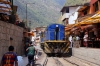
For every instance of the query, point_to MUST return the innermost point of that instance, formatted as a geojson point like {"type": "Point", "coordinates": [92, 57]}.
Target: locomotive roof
{"type": "Point", "coordinates": [52, 26]}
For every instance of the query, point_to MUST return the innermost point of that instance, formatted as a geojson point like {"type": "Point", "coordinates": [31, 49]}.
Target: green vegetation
{"type": "Point", "coordinates": [76, 2]}
{"type": "Point", "coordinates": [43, 12]}
{"type": "Point", "coordinates": [39, 12]}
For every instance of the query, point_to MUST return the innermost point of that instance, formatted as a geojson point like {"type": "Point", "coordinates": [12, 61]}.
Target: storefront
{"type": "Point", "coordinates": [90, 25]}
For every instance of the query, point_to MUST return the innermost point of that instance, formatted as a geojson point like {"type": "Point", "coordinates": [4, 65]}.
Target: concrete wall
{"type": "Point", "coordinates": [89, 54]}
{"type": "Point", "coordinates": [8, 30]}
{"type": "Point", "coordinates": [72, 18]}
{"type": "Point", "coordinates": [65, 15]}
{"type": "Point", "coordinates": [73, 9]}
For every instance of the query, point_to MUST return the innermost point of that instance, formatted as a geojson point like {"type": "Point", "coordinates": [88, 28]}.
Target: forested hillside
{"type": "Point", "coordinates": [39, 12]}
{"type": "Point", "coordinates": [76, 2]}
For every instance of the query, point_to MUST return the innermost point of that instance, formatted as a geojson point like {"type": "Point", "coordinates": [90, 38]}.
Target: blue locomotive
{"type": "Point", "coordinates": [53, 40]}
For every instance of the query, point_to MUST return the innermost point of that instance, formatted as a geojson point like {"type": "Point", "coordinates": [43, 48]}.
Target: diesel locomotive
{"type": "Point", "coordinates": [53, 40]}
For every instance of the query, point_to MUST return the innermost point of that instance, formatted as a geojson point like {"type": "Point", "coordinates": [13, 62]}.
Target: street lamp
{"type": "Point", "coordinates": [26, 11]}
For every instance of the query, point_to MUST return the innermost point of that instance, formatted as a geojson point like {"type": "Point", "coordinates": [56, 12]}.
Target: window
{"type": "Point", "coordinates": [85, 12]}
{"type": "Point", "coordinates": [95, 6]}
{"type": "Point", "coordinates": [67, 10]}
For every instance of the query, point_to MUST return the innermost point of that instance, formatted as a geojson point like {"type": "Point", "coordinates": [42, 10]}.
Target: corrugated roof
{"type": "Point", "coordinates": [6, 9]}
{"type": "Point", "coordinates": [5, 6]}
{"type": "Point", "coordinates": [90, 20]}
{"type": "Point", "coordinates": [76, 2]}
{"type": "Point", "coordinates": [84, 17]}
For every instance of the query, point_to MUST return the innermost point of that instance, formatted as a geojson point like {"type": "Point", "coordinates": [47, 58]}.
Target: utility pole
{"type": "Point", "coordinates": [26, 12]}
{"type": "Point", "coordinates": [12, 17]}
{"type": "Point", "coordinates": [26, 15]}
{"type": "Point", "coordinates": [12, 8]}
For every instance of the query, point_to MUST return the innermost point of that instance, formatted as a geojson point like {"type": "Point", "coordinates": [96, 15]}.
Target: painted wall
{"type": "Point", "coordinates": [65, 15]}
{"type": "Point", "coordinates": [72, 18]}
{"type": "Point", "coordinates": [91, 6]}
{"type": "Point", "coordinates": [93, 1]}
{"type": "Point", "coordinates": [72, 9]}
{"type": "Point", "coordinates": [72, 15]}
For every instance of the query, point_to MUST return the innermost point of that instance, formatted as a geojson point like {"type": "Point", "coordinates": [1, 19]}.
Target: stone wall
{"type": "Point", "coordinates": [8, 31]}
{"type": "Point", "coordinates": [89, 54]}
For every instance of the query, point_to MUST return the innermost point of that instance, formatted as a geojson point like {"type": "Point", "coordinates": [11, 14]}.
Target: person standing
{"type": "Point", "coordinates": [9, 58]}
{"type": "Point", "coordinates": [26, 44]}
{"type": "Point", "coordinates": [74, 40]}
{"type": "Point", "coordinates": [77, 41]}
{"type": "Point", "coordinates": [71, 43]}
{"type": "Point", "coordinates": [85, 39]}
{"type": "Point", "coordinates": [57, 32]}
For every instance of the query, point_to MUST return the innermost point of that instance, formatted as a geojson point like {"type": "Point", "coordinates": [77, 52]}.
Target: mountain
{"type": "Point", "coordinates": [39, 12]}
{"type": "Point", "coordinates": [76, 2]}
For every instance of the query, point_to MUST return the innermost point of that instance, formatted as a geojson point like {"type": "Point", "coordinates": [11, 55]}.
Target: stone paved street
{"type": "Point", "coordinates": [22, 61]}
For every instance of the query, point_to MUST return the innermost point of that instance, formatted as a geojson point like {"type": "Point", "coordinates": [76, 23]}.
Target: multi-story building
{"type": "Point", "coordinates": [69, 11]}
{"type": "Point", "coordinates": [89, 19]}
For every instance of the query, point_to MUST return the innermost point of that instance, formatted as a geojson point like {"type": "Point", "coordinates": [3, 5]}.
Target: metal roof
{"type": "Point", "coordinates": [5, 6]}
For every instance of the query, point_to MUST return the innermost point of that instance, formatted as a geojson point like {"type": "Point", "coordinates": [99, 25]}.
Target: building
{"type": "Point", "coordinates": [69, 11]}
{"type": "Point", "coordinates": [88, 19]}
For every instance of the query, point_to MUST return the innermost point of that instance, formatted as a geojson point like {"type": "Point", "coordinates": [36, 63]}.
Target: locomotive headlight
{"type": "Point", "coordinates": [56, 25]}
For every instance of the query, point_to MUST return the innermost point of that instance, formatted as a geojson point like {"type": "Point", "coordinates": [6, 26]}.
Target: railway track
{"type": "Point", "coordinates": [56, 61]}
{"type": "Point", "coordinates": [69, 61]}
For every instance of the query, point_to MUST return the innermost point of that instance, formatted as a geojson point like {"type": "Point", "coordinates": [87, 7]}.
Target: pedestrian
{"type": "Point", "coordinates": [9, 58]}
{"type": "Point", "coordinates": [74, 40]}
{"type": "Point", "coordinates": [31, 52]}
{"type": "Point", "coordinates": [26, 44]}
{"type": "Point", "coordinates": [36, 45]}
{"type": "Point", "coordinates": [77, 41]}
{"type": "Point", "coordinates": [56, 32]}
{"type": "Point", "coordinates": [70, 39]}
{"type": "Point", "coordinates": [85, 39]}
{"type": "Point", "coordinates": [25, 47]}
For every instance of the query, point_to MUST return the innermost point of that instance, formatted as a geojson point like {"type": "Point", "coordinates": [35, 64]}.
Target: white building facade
{"type": "Point", "coordinates": [69, 14]}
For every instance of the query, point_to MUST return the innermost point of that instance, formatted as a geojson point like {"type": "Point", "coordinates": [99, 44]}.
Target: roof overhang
{"type": "Point", "coordinates": [63, 9]}
{"type": "Point", "coordinates": [5, 2]}
{"type": "Point", "coordinates": [82, 8]}
{"type": "Point", "coordinates": [90, 20]}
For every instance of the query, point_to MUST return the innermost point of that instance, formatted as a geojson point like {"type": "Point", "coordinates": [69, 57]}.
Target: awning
{"type": "Point", "coordinates": [90, 20]}
{"type": "Point", "coordinates": [68, 27]}
{"type": "Point", "coordinates": [5, 7]}
{"type": "Point", "coordinates": [31, 33]}
{"type": "Point", "coordinates": [74, 28]}
{"type": "Point", "coordinates": [87, 26]}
